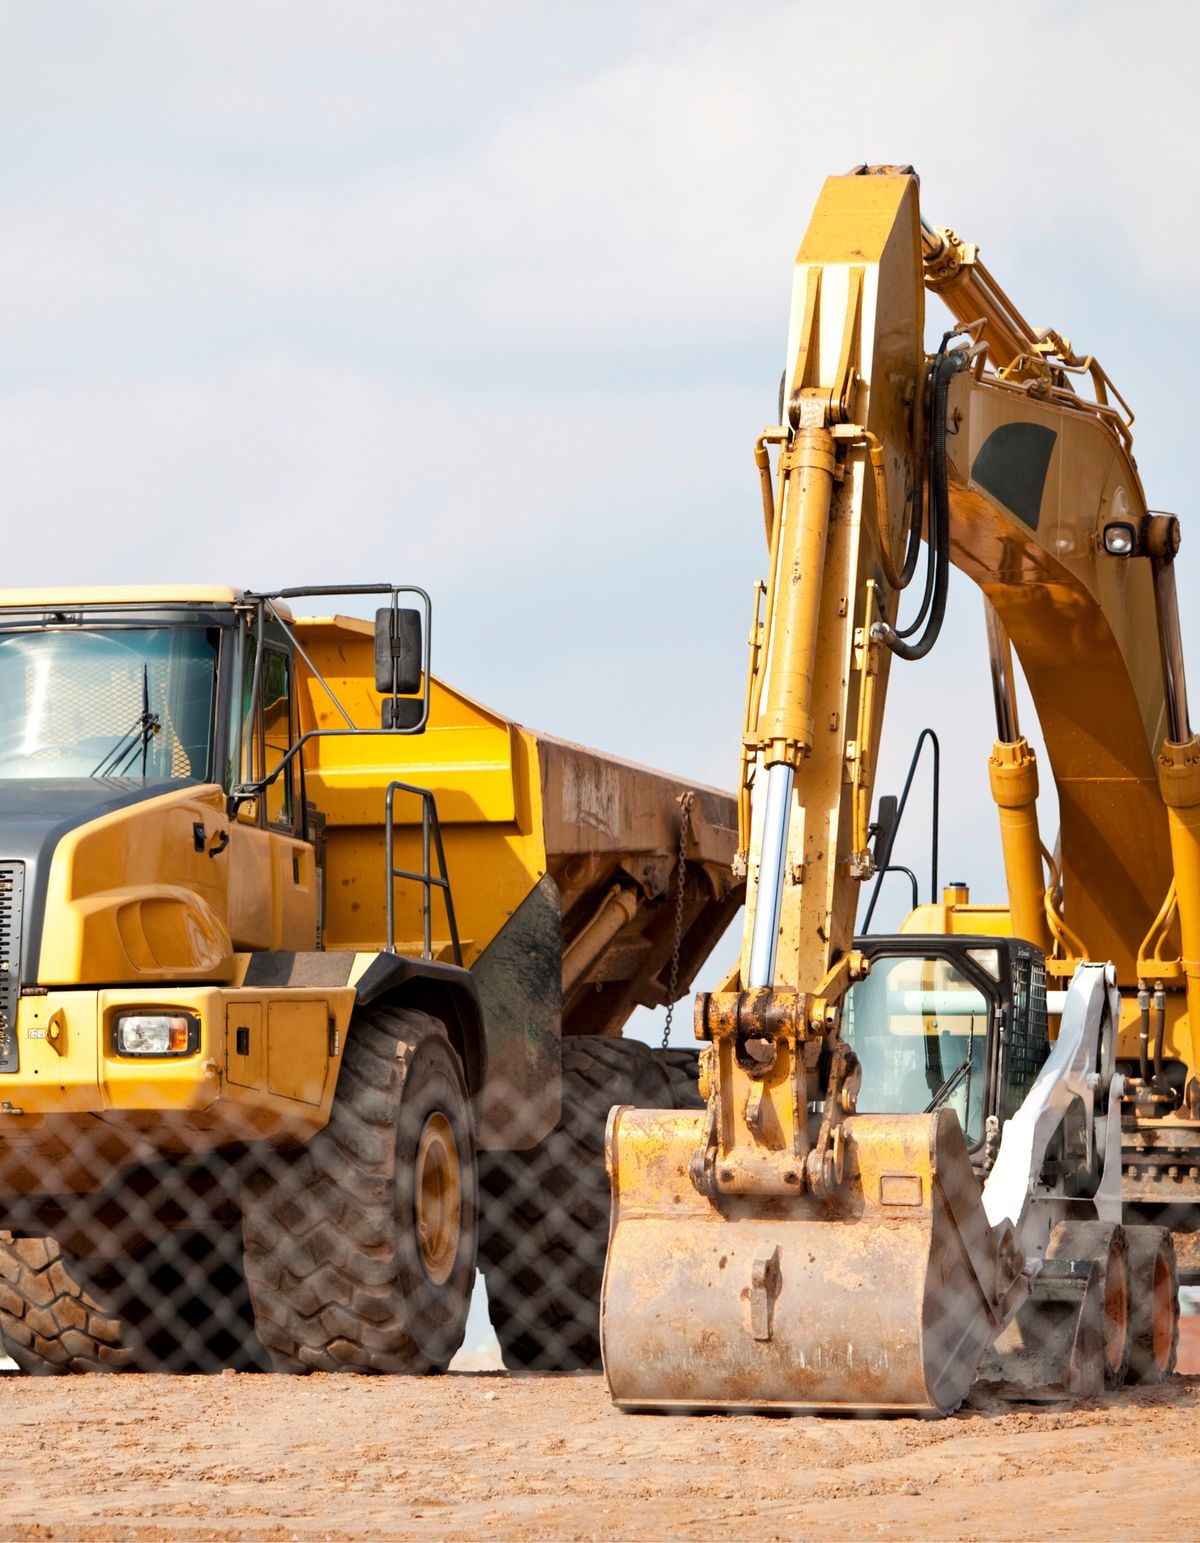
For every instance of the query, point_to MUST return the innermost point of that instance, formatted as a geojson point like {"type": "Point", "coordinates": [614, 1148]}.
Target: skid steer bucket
{"type": "Point", "coordinates": [880, 1302]}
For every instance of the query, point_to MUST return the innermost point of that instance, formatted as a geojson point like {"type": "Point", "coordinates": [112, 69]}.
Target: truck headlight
{"type": "Point", "coordinates": [157, 1033]}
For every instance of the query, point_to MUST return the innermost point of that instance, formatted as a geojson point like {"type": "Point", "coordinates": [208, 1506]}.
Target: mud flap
{"type": "Point", "coordinates": [881, 1302]}
{"type": "Point", "coordinates": [519, 979]}
{"type": "Point", "coordinates": [1054, 1348]}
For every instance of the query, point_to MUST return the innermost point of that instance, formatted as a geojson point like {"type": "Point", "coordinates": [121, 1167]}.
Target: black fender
{"type": "Point", "coordinates": [445, 991]}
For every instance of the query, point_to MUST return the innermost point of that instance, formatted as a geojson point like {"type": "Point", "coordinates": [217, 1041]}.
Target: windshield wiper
{"type": "Point", "coordinates": [948, 1086]}
{"type": "Point", "coordinates": [122, 754]}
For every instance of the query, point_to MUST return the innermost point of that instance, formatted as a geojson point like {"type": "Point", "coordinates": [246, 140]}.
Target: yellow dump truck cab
{"type": "Point", "coordinates": [265, 884]}
{"type": "Point", "coordinates": [163, 886]}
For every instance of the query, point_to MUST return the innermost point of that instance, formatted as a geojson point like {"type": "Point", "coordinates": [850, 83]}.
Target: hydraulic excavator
{"type": "Point", "coordinates": [954, 1150]}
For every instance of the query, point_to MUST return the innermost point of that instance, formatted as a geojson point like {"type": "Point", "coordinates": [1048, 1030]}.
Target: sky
{"type": "Point", "coordinates": [493, 297]}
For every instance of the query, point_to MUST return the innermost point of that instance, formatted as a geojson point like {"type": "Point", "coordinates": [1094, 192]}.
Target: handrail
{"type": "Point", "coordinates": [879, 878]}
{"type": "Point", "coordinates": [431, 832]}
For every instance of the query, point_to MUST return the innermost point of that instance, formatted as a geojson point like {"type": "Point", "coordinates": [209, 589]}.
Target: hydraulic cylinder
{"type": "Point", "coordinates": [1179, 783]}
{"type": "Point", "coordinates": [1013, 773]}
{"type": "Point", "coordinates": [785, 729]}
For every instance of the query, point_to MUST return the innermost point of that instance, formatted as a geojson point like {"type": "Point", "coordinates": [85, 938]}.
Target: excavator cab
{"type": "Point", "coordinates": [949, 1023]}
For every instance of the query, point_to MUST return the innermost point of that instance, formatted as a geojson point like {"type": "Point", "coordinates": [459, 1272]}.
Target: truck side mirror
{"type": "Point", "coordinates": [397, 651]}
{"type": "Point", "coordinates": [405, 712]}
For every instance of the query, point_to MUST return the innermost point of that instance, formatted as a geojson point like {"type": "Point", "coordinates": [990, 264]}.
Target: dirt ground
{"type": "Point", "coordinates": [486, 1455]}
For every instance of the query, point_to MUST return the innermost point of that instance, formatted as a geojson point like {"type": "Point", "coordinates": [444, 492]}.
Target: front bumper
{"type": "Point", "coordinates": [265, 1069]}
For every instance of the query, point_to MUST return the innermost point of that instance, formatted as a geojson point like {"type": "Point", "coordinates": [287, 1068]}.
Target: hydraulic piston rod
{"type": "Point", "coordinates": [764, 940]}
{"type": "Point", "coordinates": [785, 728]}
{"type": "Point", "coordinates": [1013, 774]}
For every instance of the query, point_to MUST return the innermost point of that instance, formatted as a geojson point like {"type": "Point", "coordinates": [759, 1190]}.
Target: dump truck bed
{"type": "Point", "coordinates": [563, 861]}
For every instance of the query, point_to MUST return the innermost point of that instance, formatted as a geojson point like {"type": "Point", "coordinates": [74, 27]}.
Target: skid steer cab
{"type": "Point", "coordinates": [238, 1043]}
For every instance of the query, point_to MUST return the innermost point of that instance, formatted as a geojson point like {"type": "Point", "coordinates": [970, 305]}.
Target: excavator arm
{"type": "Point", "coordinates": [782, 1249]}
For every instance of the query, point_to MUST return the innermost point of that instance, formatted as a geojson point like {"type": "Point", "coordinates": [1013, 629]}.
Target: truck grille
{"type": "Point", "coordinates": [12, 885]}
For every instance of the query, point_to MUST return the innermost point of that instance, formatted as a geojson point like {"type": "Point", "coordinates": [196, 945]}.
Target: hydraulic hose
{"type": "Point", "coordinates": [898, 578]}
{"type": "Point", "coordinates": [937, 576]}
{"type": "Point", "coordinates": [905, 575]}
{"type": "Point", "coordinates": [931, 566]}
{"type": "Point", "coordinates": [937, 503]}
{"type": "Point", "coordinates": [932, 611]}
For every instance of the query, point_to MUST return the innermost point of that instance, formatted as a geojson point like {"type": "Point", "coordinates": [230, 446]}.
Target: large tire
{"type": "Point", "coordinates": [681, 1068]}
{"type": "Point", "coordinates": [546, 1210]}
{"type": "Point", "coordinates": [360, 1247]}
{"type": "Point", "coordinates": [180, 1306]}
{"type": "Point", "coordinates": [52, 1320]}
{"type": "Point", "coordinates": [1153, 1305]}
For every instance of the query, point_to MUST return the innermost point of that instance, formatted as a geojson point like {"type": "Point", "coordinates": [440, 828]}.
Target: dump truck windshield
{"type": "Point", "coordinates": [920, 1029]}
{"type": "Point", "coordinates": [131, 702]}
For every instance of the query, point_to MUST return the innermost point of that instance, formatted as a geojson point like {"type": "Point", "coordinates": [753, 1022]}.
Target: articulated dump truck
{"type": "Point", "coordinates": [313, 974]}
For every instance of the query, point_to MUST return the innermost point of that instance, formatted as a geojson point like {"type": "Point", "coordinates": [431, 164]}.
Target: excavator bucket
{"type": "Point", "coordinates": [881, 1302]}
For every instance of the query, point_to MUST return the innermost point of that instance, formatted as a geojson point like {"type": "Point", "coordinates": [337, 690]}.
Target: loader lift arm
{"type": "Point", "coordinates": [768, 1260]}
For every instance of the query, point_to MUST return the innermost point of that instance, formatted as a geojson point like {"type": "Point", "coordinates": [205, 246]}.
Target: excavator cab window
{"type": "Point", "coordinates": [921, 1027]}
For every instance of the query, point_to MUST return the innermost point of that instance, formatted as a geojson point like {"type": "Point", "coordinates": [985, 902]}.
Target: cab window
{"type": "Point", "coordinates": [263, 733]}
{"type": "Point", "coordinates": [920, 1029]}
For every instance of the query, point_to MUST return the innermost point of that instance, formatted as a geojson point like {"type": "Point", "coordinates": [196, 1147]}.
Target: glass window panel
{"type": "Point", "coordinates": [128, 703]}
{"type": "Point", "coordinates": [920, 1029]}
{"type": "Point", "coordinates": [277, 733]}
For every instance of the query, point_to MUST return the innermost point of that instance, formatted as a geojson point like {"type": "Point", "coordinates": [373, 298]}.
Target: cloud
{"type": "Point", "coordinates": [495, 298]}
{"type": "Point", "coordinates": [503, 182]}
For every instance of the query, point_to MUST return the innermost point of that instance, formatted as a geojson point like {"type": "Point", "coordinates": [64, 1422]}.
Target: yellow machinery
{"type": "Point", "coordinates": [286, 927]}
{"type": "Point", "coordinates": [819, 1237]}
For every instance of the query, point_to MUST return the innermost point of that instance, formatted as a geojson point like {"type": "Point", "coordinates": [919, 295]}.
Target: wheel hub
{"type": "Point", "coordinates": [438, 1198]}
{"type": "Point", "coordinates": [1116, 1310]}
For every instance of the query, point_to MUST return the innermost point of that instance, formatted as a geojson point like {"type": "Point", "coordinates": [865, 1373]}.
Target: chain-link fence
{"type": "Point", "coordinates": [135, 1242]}
{"type": "Point", "coordinates": [132, 1241]}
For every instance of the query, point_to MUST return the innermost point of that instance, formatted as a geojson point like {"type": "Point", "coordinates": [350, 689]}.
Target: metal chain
{"type": "Point", "coordinates": [685, 809]}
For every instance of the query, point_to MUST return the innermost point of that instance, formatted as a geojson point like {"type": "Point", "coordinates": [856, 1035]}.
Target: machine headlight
{"type": "Point", "coordinates": [1120, 538]}
{"type": "Point", "coordinates": [157, 1033]}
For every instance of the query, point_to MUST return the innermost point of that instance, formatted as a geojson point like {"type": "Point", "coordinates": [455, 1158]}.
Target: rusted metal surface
{"type": "Point", "coordinates": [880, 1301]}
